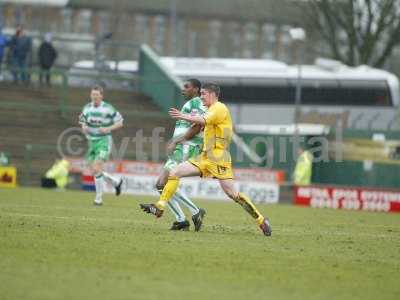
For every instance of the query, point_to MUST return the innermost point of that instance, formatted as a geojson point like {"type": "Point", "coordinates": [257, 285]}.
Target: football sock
{"type": "Point", "coordinates": [114, 181]}
{"type": "Point", "coordinates": [98, 182]}
{"type": "Point", "coordinates": [176, 209]}
{"type": "Point", "coordinates": [248, 206]}
{"type": "Point", "coordinates": [168, 191]}
{"type": "Point", "coordinates": [186, 201]}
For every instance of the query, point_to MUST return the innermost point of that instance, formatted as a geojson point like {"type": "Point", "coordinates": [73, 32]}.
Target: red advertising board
{"type": "Point", "coordinates": [366, 199]}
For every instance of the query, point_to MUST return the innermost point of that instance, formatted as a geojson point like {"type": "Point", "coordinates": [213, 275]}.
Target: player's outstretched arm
{"type": "Point", "coordinates": [176, 114]}
{"type": "Point", "coordinates": [82, 122]}
{"type": "Point", "coordinates": [192, 132]}
{"type": "Point", "coordinates": [195, 129]}
{"type": "Point", "coordinates": [84, 128]}
{"type": "Point", "coordinates": [189, 134]}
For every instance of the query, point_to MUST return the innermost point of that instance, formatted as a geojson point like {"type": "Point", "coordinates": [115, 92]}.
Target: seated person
{"type": "Point", "coordinates": [57, 175]}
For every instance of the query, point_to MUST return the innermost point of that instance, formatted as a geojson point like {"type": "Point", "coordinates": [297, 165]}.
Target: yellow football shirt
{"type": "Point", "coordinates": [217, 133]}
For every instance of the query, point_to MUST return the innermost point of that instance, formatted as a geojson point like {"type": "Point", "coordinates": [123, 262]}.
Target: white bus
{"type": "Point", "coordinates": [263, 91]}
{"type": "Point", "coordinates": [256, 81]}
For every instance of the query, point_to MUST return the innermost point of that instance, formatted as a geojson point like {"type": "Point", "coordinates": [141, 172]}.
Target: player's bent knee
{"type": "Point", "coordinates": [97, 167]}
{"type": "Point", "coordinates": [174, 172]}
{"type": "Point", "coordinates": [159, 185]}
{"type": "Point", "coordinates": [231, 194]}
{"type": "Point", "coordinates": [97, 170]}
{"type": "Point", "coordinates": [229, 190]}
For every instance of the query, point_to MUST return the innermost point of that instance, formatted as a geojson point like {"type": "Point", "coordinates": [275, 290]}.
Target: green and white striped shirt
{"type": "Point", "coordinates": [94, 118]}
{"type": "Point", "coordinates": [192, 107]}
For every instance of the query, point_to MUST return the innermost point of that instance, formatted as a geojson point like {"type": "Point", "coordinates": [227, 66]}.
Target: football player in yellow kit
{"type": "Point", "coordinates": [214, 160]}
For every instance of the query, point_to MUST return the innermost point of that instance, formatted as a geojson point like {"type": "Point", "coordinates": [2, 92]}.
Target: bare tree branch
{"type": "Point", "coordinates": [394, 41]}
{"type": "Point", "coordinates": [358, 31]}
{"type": "Point", "coordinates": [327, 29]}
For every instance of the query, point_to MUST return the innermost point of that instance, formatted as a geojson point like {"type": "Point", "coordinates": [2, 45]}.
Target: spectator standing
{"type": "Point", "coordinates": [21, 49]}
{"type": "Point", "coordinates": [303, 170]}
{"type": "Point", "coordinates": [47, 56]}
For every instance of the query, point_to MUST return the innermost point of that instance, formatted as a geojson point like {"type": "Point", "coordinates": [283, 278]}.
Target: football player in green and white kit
{"type": "Point", "coordinates": [98, 119]}
{"type": "Point", "coordinates": [186, 143]}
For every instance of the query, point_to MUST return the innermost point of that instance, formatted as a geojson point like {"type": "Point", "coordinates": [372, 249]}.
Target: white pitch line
{"type": "Point", "coordinates": [48, 207]}
{"type": "Point", "coordinates": [70, 217]}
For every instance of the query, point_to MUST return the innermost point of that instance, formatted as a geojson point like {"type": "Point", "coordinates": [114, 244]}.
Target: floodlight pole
{"type": "Point", "coordinates": [174, 29]}
{"type": "Point", "coordinates": [297, 101]}
{"type": "Point", "coordinates": [298, 35]}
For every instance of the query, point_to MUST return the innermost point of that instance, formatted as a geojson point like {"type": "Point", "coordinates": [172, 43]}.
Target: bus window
{"type": "Point", "coordinates": [335, 96]}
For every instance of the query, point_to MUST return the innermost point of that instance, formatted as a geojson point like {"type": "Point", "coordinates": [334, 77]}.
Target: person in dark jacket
{"type": "Point", "coordinates": [21, 49]}
{"type": "Point", "coordinates": [47, 56]}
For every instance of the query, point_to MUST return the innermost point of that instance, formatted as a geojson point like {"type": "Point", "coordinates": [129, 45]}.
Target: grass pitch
{"type": "Point", "coordinates": [56, 245]}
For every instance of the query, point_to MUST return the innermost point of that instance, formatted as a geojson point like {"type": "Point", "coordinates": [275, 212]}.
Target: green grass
{"type": "Point", "coordinates": [56, 245]}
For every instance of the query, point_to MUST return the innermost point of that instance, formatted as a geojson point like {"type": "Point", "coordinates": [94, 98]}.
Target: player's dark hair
{"type": "Point", "coordinates": [98, 88]}
{"type": "Point", "coordinates": [195, 83]}
{"type": "Point", "coordinates": [212, 87]}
